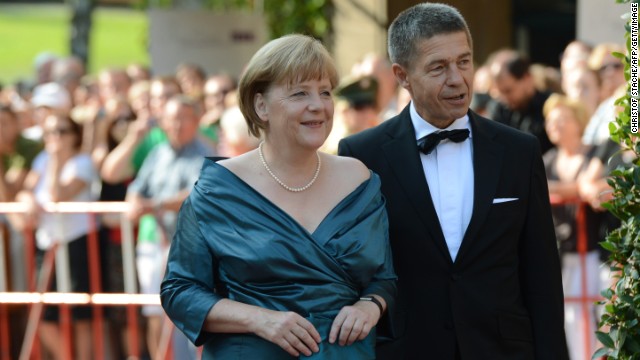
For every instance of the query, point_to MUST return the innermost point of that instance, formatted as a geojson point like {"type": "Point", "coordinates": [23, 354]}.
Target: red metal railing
{"type": "Point", "coordinates": [37, 295]}
{"type": "Point", "coordinates": [585, 299]}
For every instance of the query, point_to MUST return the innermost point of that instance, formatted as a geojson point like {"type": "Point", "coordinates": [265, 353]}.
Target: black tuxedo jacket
{"type": "Point", "coordinates": [502, 297]}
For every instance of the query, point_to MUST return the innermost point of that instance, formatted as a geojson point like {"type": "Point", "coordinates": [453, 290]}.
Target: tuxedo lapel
{"type": "Point", "coordinates": [487, 162]}
{"type": "Point", "coordinates": [402, 155]}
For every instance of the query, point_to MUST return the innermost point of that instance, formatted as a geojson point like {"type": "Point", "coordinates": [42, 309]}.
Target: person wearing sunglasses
{"type": "Point", "coordinates": [612, 83]}
{"type": "Point", "coordinates": [61, 173]}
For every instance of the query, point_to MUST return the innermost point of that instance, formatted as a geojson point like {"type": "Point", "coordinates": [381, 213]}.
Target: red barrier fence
{"type": "Point", "coordinates": [585, 299]}
{"type": "Point", "coordinates": [37, 295]}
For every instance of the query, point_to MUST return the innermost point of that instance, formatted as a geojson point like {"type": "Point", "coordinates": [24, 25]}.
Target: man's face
{"type": "Point", "coordinates": [180, 123]}
{"type": "Point", "coordinates": [440, 78]}
{"type": "Point", "coordinates": [515, 93]}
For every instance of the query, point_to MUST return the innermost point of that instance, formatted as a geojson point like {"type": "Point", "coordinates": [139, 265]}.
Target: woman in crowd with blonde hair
{"type": "Point", "coordinates": [567, 165]}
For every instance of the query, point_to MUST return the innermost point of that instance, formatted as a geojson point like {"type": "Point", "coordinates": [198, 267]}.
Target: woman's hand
{"type": "Point", "coordinates": [290, 331]}
{"type": "Point", "coordinates": [33, 213]}
{"type": "Point", "coordinates": [139, 128]}
{"type": "Point", "coordinates": [354, 322]}
{"type": "Point", "coordinates": [29, 219]}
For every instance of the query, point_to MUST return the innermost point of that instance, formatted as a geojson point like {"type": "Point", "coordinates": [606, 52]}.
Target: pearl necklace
{"type": "Point", "coordinates": [287, 187]}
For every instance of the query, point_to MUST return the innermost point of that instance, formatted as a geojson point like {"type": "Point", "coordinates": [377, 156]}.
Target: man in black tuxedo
{"type": "Point", "coordinates": [470, 223]}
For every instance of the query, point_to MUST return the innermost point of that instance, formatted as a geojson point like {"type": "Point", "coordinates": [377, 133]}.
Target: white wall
{"type": "Point", "coordinates": [600, 21]}
{"type": "Point", "coordinates": [217, 42]}
{"type": "Point", "coordinates": [356, 34]}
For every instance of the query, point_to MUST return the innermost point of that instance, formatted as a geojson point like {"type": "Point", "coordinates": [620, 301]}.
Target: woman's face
{"type": "Point", "coordinates": [611, 74]}
{"type": "Point", "coordinates": [58, 134]}
{"type": "Point", "coordinates": [561, 125]}
{"type": "Point", "coordinates": [583, 85]}
{"type": "Point", "coordinates": [300, 113]}
{"type": "Point", "coordinates": [140, 104]}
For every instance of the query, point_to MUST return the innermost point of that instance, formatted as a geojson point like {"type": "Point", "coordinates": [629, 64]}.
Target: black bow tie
{"type": "Point", "coordinates": [429, 142]}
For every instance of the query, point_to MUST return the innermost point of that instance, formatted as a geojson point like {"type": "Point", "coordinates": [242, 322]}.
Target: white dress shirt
{"type": "Point", "coordinates": [449, 172]}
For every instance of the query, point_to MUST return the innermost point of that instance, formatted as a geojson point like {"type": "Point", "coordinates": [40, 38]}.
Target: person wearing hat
{"type": "Point", "coordinates": [360, 112]}
{"type": "Point", "coordinates": [355, 109]}
{"type": "Point", "coordinates": [48, 99]}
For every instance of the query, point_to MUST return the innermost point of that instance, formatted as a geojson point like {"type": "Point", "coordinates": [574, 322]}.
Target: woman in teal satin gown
{"type": "Point", "coordinates": [283, 251]}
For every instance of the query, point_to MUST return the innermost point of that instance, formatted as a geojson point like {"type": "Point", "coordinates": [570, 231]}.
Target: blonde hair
{"type": "Point", "coordinates": [600, 52]}
{"type": "Point", "coordinates": [576, 106]}
{"type": "Point", "coordinates": [138, 88]}
{"type": "Point", "coordinates": [286, 60]}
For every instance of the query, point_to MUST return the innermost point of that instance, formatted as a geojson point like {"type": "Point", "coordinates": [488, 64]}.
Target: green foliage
{"type": "Point", "coordinates": [310, 17]}
{"type": "Point", "coordinates": [620, 327]}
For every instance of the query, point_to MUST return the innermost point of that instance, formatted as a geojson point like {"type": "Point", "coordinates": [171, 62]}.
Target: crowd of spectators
{"type": "Point", "coordinates": [569, 109]}
{"type": "Point", "coordinates": [122, 135]}
{"type": "Point", "coordinates": [129, 135]}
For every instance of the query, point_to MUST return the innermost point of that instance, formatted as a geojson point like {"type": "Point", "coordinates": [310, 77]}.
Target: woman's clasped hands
{"type": "Point", "coordinates": [290, 331]}
{"type": "Point", "coordinates": [296, 335]}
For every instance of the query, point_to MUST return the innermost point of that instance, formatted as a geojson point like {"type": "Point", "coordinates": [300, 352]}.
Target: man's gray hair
{"type": "Point", "coordinates": [188, 101]}
{"type": "Point", "coordinates": [422, 22]}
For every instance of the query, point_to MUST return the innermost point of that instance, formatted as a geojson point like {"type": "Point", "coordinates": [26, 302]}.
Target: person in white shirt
{"type": "Point", "coordinates": [60, 173]}
{"type": "Point", "coordinates": [469, 215]}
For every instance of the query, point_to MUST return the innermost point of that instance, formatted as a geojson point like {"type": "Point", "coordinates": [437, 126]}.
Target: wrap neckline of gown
{"type": "Point", "coordinates": [317, 231]}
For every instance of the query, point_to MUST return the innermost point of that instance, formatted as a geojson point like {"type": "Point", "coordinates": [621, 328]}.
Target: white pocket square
{"type": "Point", "coordinates": [503, 200]}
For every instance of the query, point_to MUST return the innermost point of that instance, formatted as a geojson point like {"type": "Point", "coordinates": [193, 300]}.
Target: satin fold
{"type": "Point", "coordinates": [234, 243]}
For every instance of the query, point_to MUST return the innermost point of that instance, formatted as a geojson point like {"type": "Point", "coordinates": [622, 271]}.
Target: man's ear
{"type": "Point", "coordinates": [401, 76]}
{"type": "Point", "coordinates": [260, 107]}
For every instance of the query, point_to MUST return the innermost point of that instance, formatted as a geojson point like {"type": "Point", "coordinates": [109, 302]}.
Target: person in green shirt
{"type": "Point", "coordinates": [16, 154]}
{"type": "Point", "coordinates": [125, 160]}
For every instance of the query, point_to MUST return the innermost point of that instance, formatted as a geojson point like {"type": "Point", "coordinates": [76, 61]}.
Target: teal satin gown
{"type": "Point", "coordinates": [232, 242]}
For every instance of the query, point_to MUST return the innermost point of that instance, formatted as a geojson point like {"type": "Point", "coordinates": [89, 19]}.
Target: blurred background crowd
{"type": "Point", "coordinates": [128, 134]}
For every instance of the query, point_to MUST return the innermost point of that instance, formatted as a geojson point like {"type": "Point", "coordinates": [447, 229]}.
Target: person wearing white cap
{"type": "Point", "coordinates": [50, 98]}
